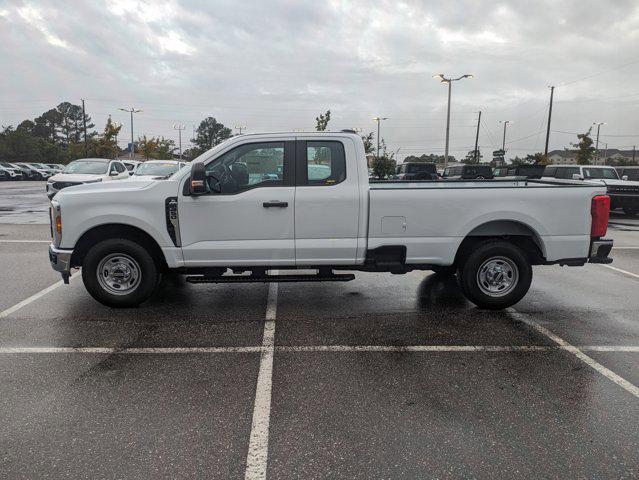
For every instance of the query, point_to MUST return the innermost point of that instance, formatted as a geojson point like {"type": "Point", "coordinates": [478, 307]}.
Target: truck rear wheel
{"type": "Point", "coordinates": [119, 273]}
{"type": "Point", "coordinates": [496, 275]}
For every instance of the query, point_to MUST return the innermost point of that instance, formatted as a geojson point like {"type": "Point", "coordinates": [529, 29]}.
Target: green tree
{"type": "Point", "coordinates": [472, 158]}
{"type": "Point", "coordinates": [384, 165]}
{"type": "Point", "coordinates": [105, 146]}
{"type": "Point", "coordinates": [209, 133]}
{"type": "Point", "coordinates": [165, 148]}
{"type": "Point", "coordinates": [585, 150]}
{"type": "Point", "coordinates": [368, 143]}
{"type": "Point", "coordinates": [322, 121]}
{"type": "Point", "coordinates": [147, 147]}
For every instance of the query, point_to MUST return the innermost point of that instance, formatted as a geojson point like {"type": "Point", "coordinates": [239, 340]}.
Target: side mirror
{"type": "Point", "coordinates": [577, 176]}
{"type": "Point", "coordinates": [624, 177]}
{"type": "Point", "coordinates": [197, 185]}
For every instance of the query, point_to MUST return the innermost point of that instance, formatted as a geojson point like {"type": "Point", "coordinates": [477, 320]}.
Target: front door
{"type": "Point", "coordinates": [247, 219]}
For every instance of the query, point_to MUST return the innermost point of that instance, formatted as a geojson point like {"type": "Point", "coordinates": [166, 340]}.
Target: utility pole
{"type": "Point", "coordinates": [179, 128]}
{"type": "Point", "coordinates": [449, 81]}
{"type": "Point", "coordinates": [605, 153]}
{"type": "Point", "coordinates": [552, 91]}
{"type": "Point", "coordinates": [84, 121]}
{"type": "Point", "coordinates": [599, 124]}
{"type": "Point", "coordinates": [378, 120]}
{"type": "Point", "coordinates": [477, 138]}
{"type": "Point", "coordinates": [633, 154]}
{"type": "Point", "coordinates": [131, 111]}
{"type": "Point", "coordinates": [503, 144]}
{"type": "Point", "coordinates": [240, 128]}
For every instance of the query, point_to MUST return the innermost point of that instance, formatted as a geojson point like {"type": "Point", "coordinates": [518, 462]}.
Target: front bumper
{"type": "Point", "coordinates": [599, 251]}
{"type": "Point", "coordinates": [61, 261]}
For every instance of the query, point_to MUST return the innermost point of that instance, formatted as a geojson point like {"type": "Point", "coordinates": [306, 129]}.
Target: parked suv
{"type": "Point", "coordinates": [468, 172]}
{"type": "Point", "coordinates": [528, 171]}
{"type": "Point", "coordinates": [416, 171]}
{"type": "Point", "coordinates": [12, 173]}
{"type": "Point", "coordinates": [86, 170]}
{"type": "Point", "coordinates": [37, 170]}
{"type": "Point", "coordinates": [628, 173]}
{"type": "Point", "coordinates": [623, 194]}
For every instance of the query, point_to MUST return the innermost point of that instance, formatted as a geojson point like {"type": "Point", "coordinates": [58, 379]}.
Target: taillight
{"type": "Point", "coordinates": [600, 211]}
{"type": "Point", "coordinates": [58, 223]}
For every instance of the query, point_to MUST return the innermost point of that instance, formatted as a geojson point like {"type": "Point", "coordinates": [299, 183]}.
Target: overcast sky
{"type": "Point", "coordinates": [274, 65]}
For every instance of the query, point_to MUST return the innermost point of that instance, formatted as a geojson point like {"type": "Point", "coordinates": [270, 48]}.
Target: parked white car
{"type": "Point", "coordinates": [259, 202]}
{"type": "Point", "coordinates": [86, 170]}
{"type": "Point", "coordinates": [155, 169]}
{"type": "Point", "coordinates": [12, 173]}
{"type": "Point", "coordinates": [624, 194]}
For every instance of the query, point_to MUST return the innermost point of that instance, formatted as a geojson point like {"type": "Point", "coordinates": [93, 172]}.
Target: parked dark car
{"type": "Point", "coordinates": [416, 171]}
{"type": "Point", "coordinates": [528, 171]}
{"type": "Point", "coordinates": [4, 175]}
{"type": "Point", "coordinates": [27, 173]}
{"type": "Point", "coordinates": [468, 172]}
{"type": "Point", "coordinates": [631, 172]}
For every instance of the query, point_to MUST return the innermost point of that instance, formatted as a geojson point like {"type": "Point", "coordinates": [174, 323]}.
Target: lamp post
{"type": "Point", "coordinates": [240, 128]}
{"type": "Point", "coordinates": [179, 128]}
{"type": "Point", "coordinates": [131, 111]}
{"type": "Point", "coordinates": [599, 124]}
{"type": "Point", "coordinates": [449, 81]}
{"type": "Point", "coordinates": [378, 120]}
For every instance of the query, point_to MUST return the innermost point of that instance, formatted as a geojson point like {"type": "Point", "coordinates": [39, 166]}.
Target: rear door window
{"type": "Point", "coordinates": [321, 163]}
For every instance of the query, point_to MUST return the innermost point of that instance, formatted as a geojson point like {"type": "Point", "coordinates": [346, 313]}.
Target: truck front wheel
{"type": "Point", "coordinates": [119, 273]}
{"type": "Point", "coordinates": [496, 275]}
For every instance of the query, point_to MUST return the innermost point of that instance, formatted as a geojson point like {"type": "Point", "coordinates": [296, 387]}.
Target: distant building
{"type": "Point", "coordinates": [569, 157]}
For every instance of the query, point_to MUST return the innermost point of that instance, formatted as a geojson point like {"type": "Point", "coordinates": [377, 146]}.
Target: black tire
{"type": "Point", "coordinates": [441, 270]}
{"type": "Point", "coordinates": [508, 262]}
{"type": "Point", "coordinates": [125, 257]}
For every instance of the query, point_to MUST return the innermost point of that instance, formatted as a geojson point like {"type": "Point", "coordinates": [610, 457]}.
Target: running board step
{"type": "Point", "coordinates": [341, 277]}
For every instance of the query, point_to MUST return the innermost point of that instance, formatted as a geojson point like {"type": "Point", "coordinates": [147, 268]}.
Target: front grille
{"type": "Point", "coordinates": [61, 185]}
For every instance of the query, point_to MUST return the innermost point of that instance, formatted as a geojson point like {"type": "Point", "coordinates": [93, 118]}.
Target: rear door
{"type": "Point", "coordinates": [247, 219]}
{"type": "Point", "coordinates": [326, 202]}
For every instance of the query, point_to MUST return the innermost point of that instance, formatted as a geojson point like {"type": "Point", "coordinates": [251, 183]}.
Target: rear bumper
{"type": "Point", "coordinates": [60, 261]}
{"type": "Point", "coordinates": [599, 251]}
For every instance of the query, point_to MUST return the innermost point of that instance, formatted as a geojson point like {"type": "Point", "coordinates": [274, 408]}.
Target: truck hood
{"type": "Point", "coordinates": [73, 177]}
{"type": "Point", "coordinates": [146, 177]}
{"type": "Point", "coordinates": [614, 183]}
{"type": "Point", "coordinates": [111, 187]}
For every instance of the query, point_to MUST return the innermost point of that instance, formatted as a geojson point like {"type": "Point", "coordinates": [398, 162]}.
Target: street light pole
{"type": "Point", "coordinates": [476, 152]}
{"type": "Point", "coordinates": [378, 120]}
{"type": "Point", "coordinates": [599, 124]}
{"type": "Point", "coordinates": [449, 81]}
{"type": "Point", "coordinates": [179, 128]}
{"type": "Point", "coordinates": [240, 128]}
{"type": "Point", "coordinates": [131, 111]}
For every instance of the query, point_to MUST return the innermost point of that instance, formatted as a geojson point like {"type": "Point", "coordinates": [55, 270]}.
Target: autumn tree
{"type": "Point", "coordinates": [585, 150]}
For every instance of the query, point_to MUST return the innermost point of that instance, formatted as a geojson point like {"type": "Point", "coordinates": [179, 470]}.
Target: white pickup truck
{"type": "Point", "coordinates": [292, 201]}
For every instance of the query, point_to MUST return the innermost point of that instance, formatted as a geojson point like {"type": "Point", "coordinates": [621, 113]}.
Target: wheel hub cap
{"type": "Point", "coordinates": [118, 274]}
{"type": "Point", "coordinates": [497, 276]}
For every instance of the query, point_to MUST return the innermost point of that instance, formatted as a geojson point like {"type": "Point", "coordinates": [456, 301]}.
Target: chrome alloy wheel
{"type": "Point", "coordinates": [497, 276]}
{"type": "Point", "coordinates": [119, 274]}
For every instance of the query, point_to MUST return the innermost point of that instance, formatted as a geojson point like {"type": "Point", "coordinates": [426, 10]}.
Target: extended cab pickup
{"type": "Point", "coordinates": [291, 201]}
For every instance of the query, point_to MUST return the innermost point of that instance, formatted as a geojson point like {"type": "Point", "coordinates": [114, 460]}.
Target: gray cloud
{"type": "Point", "coordinates": [275, 65]}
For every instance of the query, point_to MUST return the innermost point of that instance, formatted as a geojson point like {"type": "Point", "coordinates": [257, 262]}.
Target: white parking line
{"type": "Point", "coordinates": [625, 248]}
{"type": "Point", "coordinates": [142, 350]}
{"type": "Point", "coordinates": [32, 298]}
{"type": "Point", "coordinates": [257, 457]}
{"type": "Point", "coordinates": [609, 374]}
{"type": "Point", "coordinates": [634, 275]}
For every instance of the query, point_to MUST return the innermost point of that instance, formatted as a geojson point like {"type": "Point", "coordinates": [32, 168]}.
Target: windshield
{"type": "Point", "coordinates": [7, 165]}
{"type": "Point", "coordinates": [40, 165]}
{"type": "Point", "coordinates": [159, 169]}
{"type": "Point", "coordinates": [87, 167]}
{"type": "Point", "coordinates": [606, 173]}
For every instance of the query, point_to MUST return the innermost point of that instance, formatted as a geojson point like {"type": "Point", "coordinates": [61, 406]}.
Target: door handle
{"type": "Point", "coordinates": [275, 203]}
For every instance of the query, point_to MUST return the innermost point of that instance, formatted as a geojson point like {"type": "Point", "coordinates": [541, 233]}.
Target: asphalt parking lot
{"type": "Point", "coordinates": [388, 376]}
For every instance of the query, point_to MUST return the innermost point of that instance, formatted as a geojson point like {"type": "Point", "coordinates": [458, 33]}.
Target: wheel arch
{"type": "Point", "coordinates": [516, 232]}
{"type": "Point", "coordinates": [117, 230]}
